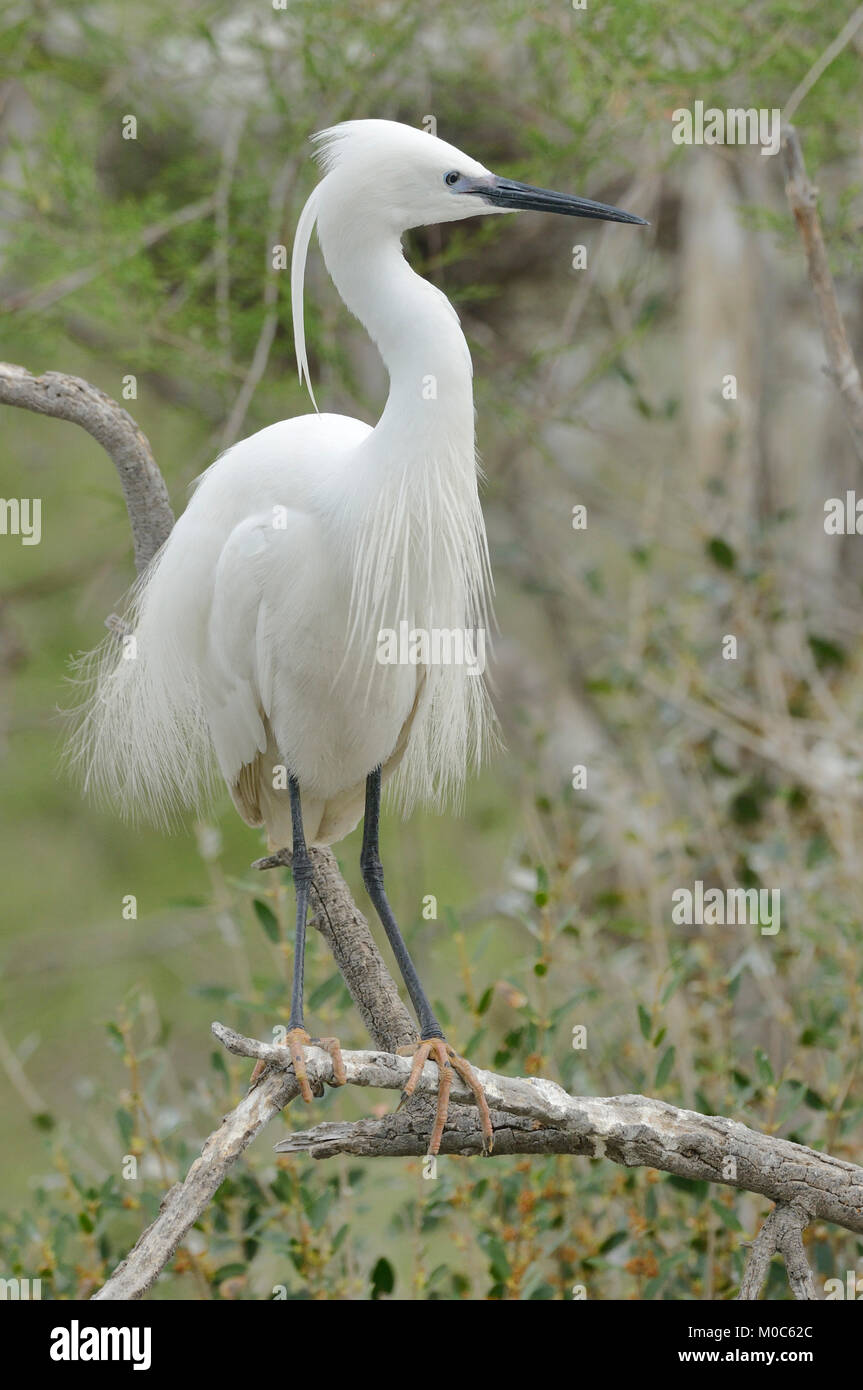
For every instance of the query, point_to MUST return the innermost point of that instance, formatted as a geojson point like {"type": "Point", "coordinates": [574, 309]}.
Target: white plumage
{"type": "Point", "coordinates": [256, 626]}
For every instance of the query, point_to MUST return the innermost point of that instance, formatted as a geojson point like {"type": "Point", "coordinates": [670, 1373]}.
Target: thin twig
{"type": "Point", "coordinates": [272, 282]}
{"type": "Point", "coordinates": [34, 300]}
{"type": "Point", "coordinates": [832, 51]}
{"type": "Point", "coordinates": [222, 220]}
{"type": "Point", "coordinates": [803, 200]}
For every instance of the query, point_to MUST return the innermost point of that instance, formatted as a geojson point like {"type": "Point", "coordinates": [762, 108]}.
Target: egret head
{"type": "Point", "coordinates": [380, 179]}
{"type": "Point", "coordinates": [396, 176]}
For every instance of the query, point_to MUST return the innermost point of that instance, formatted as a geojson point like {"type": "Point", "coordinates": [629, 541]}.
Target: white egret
{"type": "Point", "coordinates": [255, 631]}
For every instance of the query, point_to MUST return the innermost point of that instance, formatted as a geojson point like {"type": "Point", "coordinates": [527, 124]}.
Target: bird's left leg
{"type": "Point", "coordinates": [432, 1042]}
{"type": "Point", "coordinates": [296, 1037]}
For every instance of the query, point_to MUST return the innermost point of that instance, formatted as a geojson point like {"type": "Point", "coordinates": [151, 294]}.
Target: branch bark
{"type": "Point", "coordinates": [635, 1131]}
{"type": "Point", "coordinates": [71, 398]}
{"type": "Point", "coordinates": [530, 1115]}
{"type": "Point", "coordinates": [803, 200]}
{"type": "Point", "coordinates": [783, 1232]}
{"type": "Point", "coordinates": [355, 951]}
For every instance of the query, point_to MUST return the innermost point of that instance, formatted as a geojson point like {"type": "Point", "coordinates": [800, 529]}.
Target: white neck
{"type": "Point", "coordinates": [417, 332]}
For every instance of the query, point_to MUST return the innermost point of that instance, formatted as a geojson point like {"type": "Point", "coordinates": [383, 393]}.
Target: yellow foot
{"type": "Point", "coordinates": [448, 1062]}
{"type": "Point", "coordinates": [297, 1039]}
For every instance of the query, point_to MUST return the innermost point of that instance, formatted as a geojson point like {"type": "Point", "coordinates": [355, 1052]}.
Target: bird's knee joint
{"type": "Point", "coordinates": [372, 871]}
{"type": "Point", "coordinates": [303, 870]}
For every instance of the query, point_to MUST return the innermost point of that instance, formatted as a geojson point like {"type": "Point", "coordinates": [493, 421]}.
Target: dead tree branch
{"type": "Point", "coordinates": [70, 398]}
{"type": "Point", "coordinates": [635, 1131]}
{"type": "Point", "coordinates": [782, 1232]}
{"type": "Point", "coordinates": [530, 1115]}
{"type": "Point", "coordinates": [842, 369]}
{"type": "Point", "coordinates": [346, 932]}
{"type": "Point", "coordinates": [183, 1204]}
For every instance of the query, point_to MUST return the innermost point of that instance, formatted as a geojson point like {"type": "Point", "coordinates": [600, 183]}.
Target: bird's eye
{"type": "Point", "coordinates": [452, 177]}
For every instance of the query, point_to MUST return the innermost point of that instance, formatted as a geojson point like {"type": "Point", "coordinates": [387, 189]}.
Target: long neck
{"type": "Point", "coordinates": [420, 551]}
{"type": "Point", "coordinates": [416, 331]}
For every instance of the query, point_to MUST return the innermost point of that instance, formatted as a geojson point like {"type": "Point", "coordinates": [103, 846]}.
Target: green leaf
{"type": "Point", "coordinates": [324, 992]}
{"type": "Point", "coordinates": [126, 1126]}
{"type": "Point", "coordinates": [826, 653]}
{"type": "Point", "coordinates": [765, 1070]}
{"type": "Point", "coordinates": [383, 1278]}
{"type": "Point", "coordinates": [726, 1216]}
{"type": "Point", "coordinates": [721, 553]}
{"type": "Point", "coordinates": [267, 918]}
{"type": "Point", "coordinates": [663, 1071]}
{"type": "Point", "coordinates": [644, 1022]}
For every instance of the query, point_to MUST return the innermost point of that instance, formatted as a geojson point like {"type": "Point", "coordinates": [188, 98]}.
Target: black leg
{"type": "Point", "coordinates": [373, 878]}
{"type": "Point", "coordinates": [432, 1042]}
{"type": "Point", "coordinates": [301, 866]}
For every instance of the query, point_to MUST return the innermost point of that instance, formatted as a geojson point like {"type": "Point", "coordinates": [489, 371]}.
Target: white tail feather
{"type": "Point", "coordinates": [140, 737]}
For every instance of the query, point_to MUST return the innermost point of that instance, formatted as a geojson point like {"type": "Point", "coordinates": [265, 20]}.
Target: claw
{"type": "Point", "coordinates": [258, 1071]}
{"type": "Point", "coordinates": [333, 1047]}
{"type": "Point", "coordinates": [449, 1063]}
{"type": "Point", "coordinates": [296, 1039]}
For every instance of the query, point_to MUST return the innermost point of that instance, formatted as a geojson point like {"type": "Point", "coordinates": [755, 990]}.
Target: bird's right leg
{"type": "Point", "coordinates": [296, 1037]}
{"type": "Point", "coordinates": [432, 1043]}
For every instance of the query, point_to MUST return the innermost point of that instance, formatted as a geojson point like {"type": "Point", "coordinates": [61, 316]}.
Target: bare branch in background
{"type": "Point", "coordinates": [34, 300]}
{"type": "Point", "coordinates": [832, 51]}
{"type": "Point", "coordinates": [230, 151]}
{"type": "Point", "coordinates": [803, 201]}
{"type": "Point", "coordinates": [279, 196]}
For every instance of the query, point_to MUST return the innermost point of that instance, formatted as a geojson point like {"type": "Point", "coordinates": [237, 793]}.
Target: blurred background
{"type": "Point", "coordinates": [596, 387]}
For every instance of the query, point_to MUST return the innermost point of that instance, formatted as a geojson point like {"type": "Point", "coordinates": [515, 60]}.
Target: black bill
{"type": "Point", "coordinates": [522, 197]}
